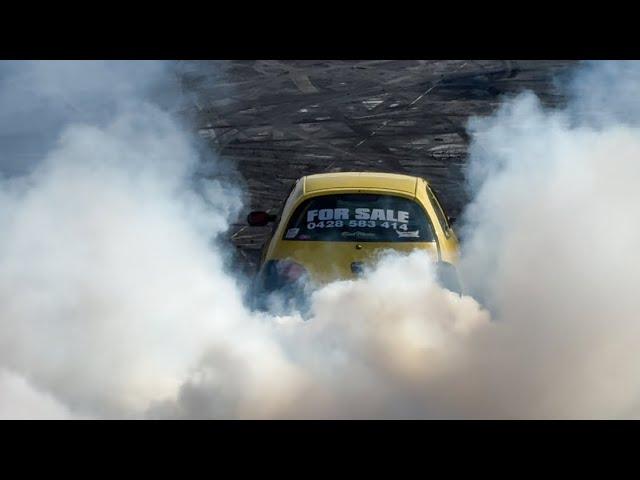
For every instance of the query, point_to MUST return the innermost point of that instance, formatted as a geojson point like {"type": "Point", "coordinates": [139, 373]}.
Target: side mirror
{"type": "Point", "coordinates": [451, 220]}
{"type": "Point", "coordinates": [259, 219]}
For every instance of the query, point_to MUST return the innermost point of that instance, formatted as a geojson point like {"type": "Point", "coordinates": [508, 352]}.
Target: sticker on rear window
{"type": "Point", "coordinates": [414, 234]}
{"type": "Point", "coordinates": [339, 214]}
{"type": "Point", "coordinates": [359, 217]}
{"type": "Point", "coordinates": [292, 232]}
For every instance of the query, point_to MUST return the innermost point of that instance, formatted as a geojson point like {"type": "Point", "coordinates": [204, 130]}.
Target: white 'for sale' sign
{"type": "Point", "coordinates": [376, 214]}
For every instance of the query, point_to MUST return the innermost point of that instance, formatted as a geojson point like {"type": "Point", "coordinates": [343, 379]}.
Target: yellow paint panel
{"type": "Point", "coordinates": [326, 261]}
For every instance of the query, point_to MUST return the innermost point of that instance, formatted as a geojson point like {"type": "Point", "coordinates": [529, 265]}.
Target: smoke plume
{"type": "Point", "coordinates": [115, 301]}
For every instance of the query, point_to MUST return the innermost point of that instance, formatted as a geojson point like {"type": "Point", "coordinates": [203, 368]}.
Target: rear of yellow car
{"type": "Point", "coordinates": [333, 225]}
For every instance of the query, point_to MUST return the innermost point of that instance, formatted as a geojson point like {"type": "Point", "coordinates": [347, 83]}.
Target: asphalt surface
{"type": "Point", "coordinates": [275, 121]}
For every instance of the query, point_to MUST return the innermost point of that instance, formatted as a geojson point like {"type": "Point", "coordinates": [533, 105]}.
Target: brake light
{"type": "Point", "coordinates": [281, 273]}
{"type": "Point", "coordinates": [288, 270]}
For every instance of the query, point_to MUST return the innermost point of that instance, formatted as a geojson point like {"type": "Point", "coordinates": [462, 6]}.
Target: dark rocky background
{"type": "Point", "coordinates": [276, 121]}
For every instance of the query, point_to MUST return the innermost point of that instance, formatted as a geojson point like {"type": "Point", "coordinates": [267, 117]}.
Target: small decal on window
{"type": "Point", "coordinates": [414, 234]}
{"type": "Point", "coordinates": [292, 232]}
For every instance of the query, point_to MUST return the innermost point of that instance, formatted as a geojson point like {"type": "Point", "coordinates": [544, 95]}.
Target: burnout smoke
{"type": "Point", "coordinates": [105, 259]}
{"type": "Point", "coordinates": [114, 301]}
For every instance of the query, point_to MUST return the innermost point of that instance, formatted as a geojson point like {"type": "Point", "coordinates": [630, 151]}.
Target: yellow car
{"type": "Point", "coordinates": [332, 225]}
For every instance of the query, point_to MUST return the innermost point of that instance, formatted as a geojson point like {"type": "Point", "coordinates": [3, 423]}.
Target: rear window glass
{"type": "Point", "coordinates": [359, 218]}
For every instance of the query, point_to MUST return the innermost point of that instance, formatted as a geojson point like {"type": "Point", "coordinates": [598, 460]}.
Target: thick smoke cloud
{"type": "Point", "coordinates": [552, 236]}
{"type": "Point", "coordinates": [114, 300]}
{"type": "Point", "coordinates": [18, 399]}
{"type": "Point", "coordinates": [105, 255]}
{"type": "Point", "coordinates": [368, 350]}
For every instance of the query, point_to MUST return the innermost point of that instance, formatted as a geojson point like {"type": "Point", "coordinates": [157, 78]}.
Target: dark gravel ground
{"type": "Point", "coordinates": [275, 121]}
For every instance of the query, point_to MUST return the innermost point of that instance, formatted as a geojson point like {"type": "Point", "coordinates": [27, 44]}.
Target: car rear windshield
{"type": "Point", "coordinates": [359, 218]}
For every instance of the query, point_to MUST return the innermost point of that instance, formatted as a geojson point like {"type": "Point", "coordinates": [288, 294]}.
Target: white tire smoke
{"type": "Point", "coordinates": [115, 303]}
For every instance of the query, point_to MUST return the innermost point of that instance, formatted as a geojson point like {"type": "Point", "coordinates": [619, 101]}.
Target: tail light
{"type": "Point", "coordinates": [289, 271]}
{"type": "Point", "coordinates": [281, 273]}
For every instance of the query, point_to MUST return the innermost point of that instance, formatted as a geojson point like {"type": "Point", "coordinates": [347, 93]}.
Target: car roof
{"type": "Point", "coordinates": [373, 180]}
